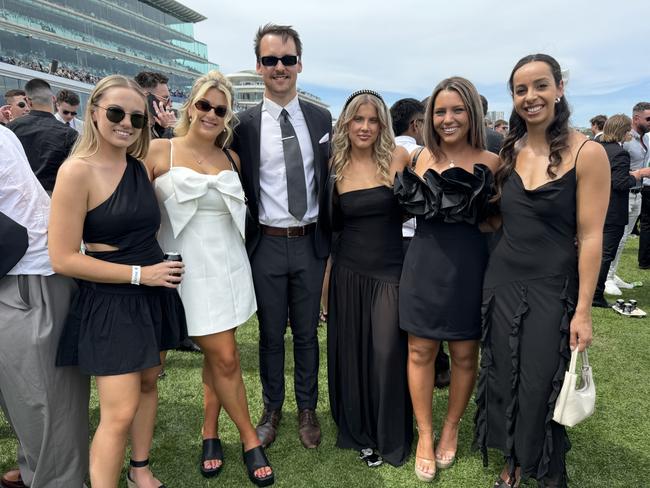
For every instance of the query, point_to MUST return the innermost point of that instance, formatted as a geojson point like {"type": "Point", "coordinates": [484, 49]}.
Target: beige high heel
{"type": "Point", "coordinates": [426, 476]}
{"type": "Point", "coordinates": [447, 462]}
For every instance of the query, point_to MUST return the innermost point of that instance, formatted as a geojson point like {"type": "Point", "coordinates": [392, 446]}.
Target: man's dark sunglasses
{"type": "Point", "coordinates": [68, 112]}
{"type": "Point", "coordinates": [21, 104]}
{"type": "Point", "coordinates": [219, 110]}
{"type": "Point", "coordinates": [287, 60]}
{"type": "Point", "coordinates": [647, 119]}
{"type": "Point", "coordinates": [117, 114]}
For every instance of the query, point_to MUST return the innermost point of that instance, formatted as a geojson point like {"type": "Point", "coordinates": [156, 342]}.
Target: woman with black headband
{"type": "Point", "coordinates": [366, 350]}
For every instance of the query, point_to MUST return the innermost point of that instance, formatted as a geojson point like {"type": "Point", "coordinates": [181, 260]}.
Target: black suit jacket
{"type": "Point", "coordinates": [619, 160]}
{"type": "Point", "coordinates": [47, 143]}
{"type": "Point", "coordinates": [493, 140]}
{"type": "Point", "coordinates": [247, 145]}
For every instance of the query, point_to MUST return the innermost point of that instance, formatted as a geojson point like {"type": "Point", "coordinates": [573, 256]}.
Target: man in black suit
{"type": "Point", "coordinates": [493, 139]}
{"type": "Point", "coordinates": [283, 144]}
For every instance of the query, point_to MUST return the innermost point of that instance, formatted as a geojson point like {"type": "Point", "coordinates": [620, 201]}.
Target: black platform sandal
{"type": "Point", "coordinates": [254, 460]}
{"type": "Point", "coordinates": [136, 464]}
{"type": "Point", "coordinates": [212, 451]}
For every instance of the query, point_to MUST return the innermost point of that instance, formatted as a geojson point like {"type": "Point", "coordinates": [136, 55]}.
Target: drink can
{"type": "Point", "coordinates": [172, 256]}
{"type": "Point", "coordinates": [633, 303]}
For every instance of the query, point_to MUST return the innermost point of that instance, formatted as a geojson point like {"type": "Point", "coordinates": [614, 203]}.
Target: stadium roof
{"type": "Point", "coordinates": [176, 9]}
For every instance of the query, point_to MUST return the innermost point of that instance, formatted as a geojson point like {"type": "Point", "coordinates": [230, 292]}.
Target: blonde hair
{"type": "Point", "coordinates": [382, 149]}
{"type": "Point", "coordinates": [213, 79]}
{"type": "Point", "coordinates": [472, 101]}
{"type": "Point", "coordinates": [616, 128]}
{"type": "Point", "coordinates": [88, 142]}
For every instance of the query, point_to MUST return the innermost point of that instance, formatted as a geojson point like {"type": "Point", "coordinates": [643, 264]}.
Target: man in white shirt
{"type": "Point", "coordinates": [67, 108]}
{"type": "Point", "coordinates": [46, 406]}
{"type": "Point", "coordinates": [407, 115]}
{"type": "Point", "coordinates": [283, 144]}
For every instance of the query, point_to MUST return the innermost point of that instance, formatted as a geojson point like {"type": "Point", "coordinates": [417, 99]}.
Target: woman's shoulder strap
{"type": "Point", "coordinates": [416, 155]}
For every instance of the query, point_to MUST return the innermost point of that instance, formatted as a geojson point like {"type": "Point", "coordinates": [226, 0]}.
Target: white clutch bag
{"type": "Point", "coordinates": [573, 404]}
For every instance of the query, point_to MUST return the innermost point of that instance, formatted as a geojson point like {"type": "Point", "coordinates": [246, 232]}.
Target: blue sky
{"type": "Point", "coordinates": [405, 48]}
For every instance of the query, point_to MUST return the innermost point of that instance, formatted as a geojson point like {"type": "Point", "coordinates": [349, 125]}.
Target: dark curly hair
{"type": "Point", "coordinates": [557, 133]}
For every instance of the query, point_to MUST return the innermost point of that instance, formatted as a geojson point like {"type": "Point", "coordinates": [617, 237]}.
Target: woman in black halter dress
{"type": "Point", "coordinates": [366, 351]}
{"type": "Point", "coordinates": [127, 309]}
{"type": "Point", "coordinates": [554, 189]}
{"type": "Point", "coordinates": [440, 288]}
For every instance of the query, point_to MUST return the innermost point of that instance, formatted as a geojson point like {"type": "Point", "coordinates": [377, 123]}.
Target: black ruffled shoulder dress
{"type": "Point", "coordinates": [528, 301]}
{"type": "Point", "coordinates": [442, 276]}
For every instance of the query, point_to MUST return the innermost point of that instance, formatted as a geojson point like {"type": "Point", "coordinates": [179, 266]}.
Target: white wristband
{"type": "Point", "coordinates": [135, 275]}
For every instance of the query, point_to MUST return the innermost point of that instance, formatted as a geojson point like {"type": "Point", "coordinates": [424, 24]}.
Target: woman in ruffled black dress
{"type": "Point", "coordinates": [554, 190]}
{"type": "Point", "coordinates": [366, 351]}
{"type": "Point", "coordinates": [440, 288]}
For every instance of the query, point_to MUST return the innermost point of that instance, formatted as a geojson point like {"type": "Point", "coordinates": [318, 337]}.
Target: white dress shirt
{"type": "Point", "coordinates": [274, 199]}
{"type": "Point", "coordinates": [75, 123]}
{"type": "Point", "coordinates": [23, 200]}
{"type": "Point", "coordinates": [408, 143]}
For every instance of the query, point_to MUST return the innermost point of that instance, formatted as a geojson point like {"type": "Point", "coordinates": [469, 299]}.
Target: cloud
{"type": "Point", "coordinates": [406, 47]}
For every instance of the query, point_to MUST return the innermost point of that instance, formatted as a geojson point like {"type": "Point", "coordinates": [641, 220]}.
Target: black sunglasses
{"type": "Point", "coordinates": [219, 110]}
{"type": "Point", "coordinates": [21, 104]}
{"type": "Point", "coordinates": [68, 112]}
{"type": "Point", "coordinates": [117, 114]}
{"type": "Point", "coordinates": [287, 60]}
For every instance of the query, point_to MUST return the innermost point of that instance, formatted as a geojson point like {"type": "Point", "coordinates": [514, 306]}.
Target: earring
{"type": "Point", "coordinates": [557, 100]}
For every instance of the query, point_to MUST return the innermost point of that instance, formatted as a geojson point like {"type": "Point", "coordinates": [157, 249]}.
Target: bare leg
{"type": "Point", "coordinates": [119, 397]}
{"type": "Point", "coordinates": [211, 411]}
{"type": "Point", "coordinates": [143, 427]}
{"type": "Point", "coordinates": [464, 367]}
{"type": "Point", "coordinates": [222, 358]}
{"type": "Point", "coordinates": [421, 374]}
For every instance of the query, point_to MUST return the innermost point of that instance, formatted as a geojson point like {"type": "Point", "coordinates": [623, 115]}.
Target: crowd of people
{"type": "Point", "coordinates": [430, 226]}
{"type": "Point", "coordinates": [71, 73]}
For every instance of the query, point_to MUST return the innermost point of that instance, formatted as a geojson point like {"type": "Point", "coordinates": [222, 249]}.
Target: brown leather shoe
{"type": "Point", "coordinates": [12, 479]}
{"type": "Point", "coordinates": [267, 427]}
{"type": "Point", "coordinates": [308, 428]}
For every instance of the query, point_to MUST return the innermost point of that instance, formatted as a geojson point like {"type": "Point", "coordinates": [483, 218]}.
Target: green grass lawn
{"type": "Point", "coordinates": [611, 449]}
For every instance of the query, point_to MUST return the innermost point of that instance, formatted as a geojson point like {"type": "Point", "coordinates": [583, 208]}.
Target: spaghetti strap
{"type": "Point", "coordinates": [171, 154]}
{"type": "Point", "coordinates": [578, 153]}
{"type": "Point", "coordinates": [416, 155]}
{"type": "Point", "coordinates": [233, 166]}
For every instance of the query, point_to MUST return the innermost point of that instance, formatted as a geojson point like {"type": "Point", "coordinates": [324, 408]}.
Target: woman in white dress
{"type": "Point", "coordinates": [203, 217]}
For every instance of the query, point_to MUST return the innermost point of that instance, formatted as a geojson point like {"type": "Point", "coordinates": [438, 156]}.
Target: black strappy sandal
{"type": "Point", "coordinates": [254, 460]}
{"type": "Point", "coordinates": [212, 451]}
{"type": "Point", "coordinates": [136, 464]}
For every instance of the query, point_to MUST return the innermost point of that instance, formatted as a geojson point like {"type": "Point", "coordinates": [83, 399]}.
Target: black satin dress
{"type": "Point", "coordinates": [442, 278]}
{"type": "Point", "coordinates": [366, 351]}
{"type": "Point", "coordinates": [528, 302]}
{"type": "Point", "coordinates": [121, 328]}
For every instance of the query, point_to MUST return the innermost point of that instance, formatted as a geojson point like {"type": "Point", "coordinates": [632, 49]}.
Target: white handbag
{"type": "Point", "coordinates": [574, 405]}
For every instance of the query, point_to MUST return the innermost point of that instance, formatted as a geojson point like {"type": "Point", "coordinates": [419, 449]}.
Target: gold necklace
{"type": "Point", "coordinates": [198, 159]}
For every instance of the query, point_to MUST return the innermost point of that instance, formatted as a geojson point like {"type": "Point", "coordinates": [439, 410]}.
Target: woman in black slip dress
{"type": "Point", "coordinates": [127, 309]}
{"type": "Point", "coordinates": [366, 351]}
{"type": "Point", "coordinates": [553, 188]}
{"type": "Point", "coordinates": [440, 288]}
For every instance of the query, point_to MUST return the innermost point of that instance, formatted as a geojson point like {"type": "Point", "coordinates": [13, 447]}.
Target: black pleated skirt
{"type": "Point", "coordinates": [366, 353]}
{"type": "Point", "coordinates": [120, 328]}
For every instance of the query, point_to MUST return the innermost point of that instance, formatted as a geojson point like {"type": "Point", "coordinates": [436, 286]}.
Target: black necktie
{"type": "Point", "coordinates": [296, 187]}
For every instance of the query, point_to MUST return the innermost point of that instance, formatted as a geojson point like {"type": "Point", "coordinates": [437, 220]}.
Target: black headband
{"type": "Point", "coordinates": [362, 92]}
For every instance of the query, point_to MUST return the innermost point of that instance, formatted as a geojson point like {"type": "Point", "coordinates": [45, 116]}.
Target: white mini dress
{"type": "Point", "coordinates": [203, 217]}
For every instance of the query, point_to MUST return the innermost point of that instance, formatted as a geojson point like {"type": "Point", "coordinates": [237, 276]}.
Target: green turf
{"type": "Point", "coordinates": [611, 449]}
